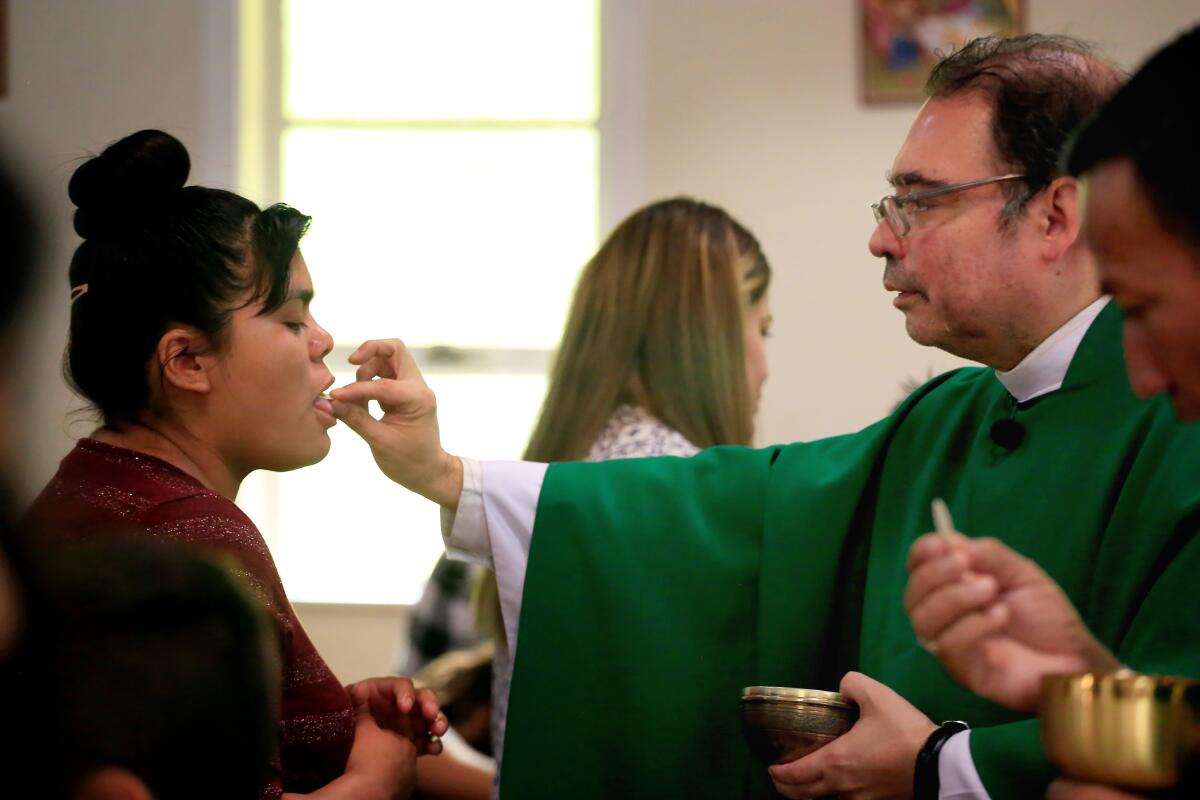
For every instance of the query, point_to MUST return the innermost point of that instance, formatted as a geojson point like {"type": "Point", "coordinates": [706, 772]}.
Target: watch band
{"type": "Point", "coordinates": [926, 779]}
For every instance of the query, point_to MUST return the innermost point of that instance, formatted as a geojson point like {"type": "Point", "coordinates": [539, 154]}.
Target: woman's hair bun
{"type": "Point", "coordinates": [120, 190]}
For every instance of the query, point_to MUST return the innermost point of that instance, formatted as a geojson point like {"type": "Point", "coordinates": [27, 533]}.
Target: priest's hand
{"type": "Point", "coordinates": [397, 706]}
{"type": "Point", "coordinates": [1070, 790]}
{"type": "Point", "coordinates": [995, 620]}
{"type": "Point", "coordinates": [873, 759]}
{"type": "Point", "coordinates": [405, 440]}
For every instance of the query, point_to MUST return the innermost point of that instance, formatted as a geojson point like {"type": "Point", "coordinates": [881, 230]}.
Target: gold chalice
{"type": "Point", "coordinates": [1124, 728]}
{"type": "Point", "coordinates": [783, 724]}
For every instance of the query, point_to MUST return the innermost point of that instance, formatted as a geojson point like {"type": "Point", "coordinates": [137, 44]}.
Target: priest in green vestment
{"type": "Point", "coordinates": [1139, 158]}
{"type": "Point", "coordinates": [655, 590]}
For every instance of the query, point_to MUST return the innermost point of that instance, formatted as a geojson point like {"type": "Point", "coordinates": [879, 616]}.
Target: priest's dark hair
{"type": "Point", "coordinates": [1149, 122]}
{"type": "Point", "coordinates": [1040, 88]}
{"type": "Point", "coordinates": [156, 254]}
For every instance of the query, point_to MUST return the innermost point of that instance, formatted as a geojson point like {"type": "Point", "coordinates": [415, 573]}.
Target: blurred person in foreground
{"type": "Point", "coordinates": [151, 670]}
{"type": "Point", "coordinates": [996, 620]}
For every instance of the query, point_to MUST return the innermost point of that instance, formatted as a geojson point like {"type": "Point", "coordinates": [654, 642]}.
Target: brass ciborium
{"type": "Point", "coordinates": [1123, 728]}
{"type": "Point", "coordinates": [783, 724]}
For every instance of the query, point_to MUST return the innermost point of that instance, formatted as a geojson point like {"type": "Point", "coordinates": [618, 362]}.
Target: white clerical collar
{"type": "Point", "coordinates": [1043, 370]}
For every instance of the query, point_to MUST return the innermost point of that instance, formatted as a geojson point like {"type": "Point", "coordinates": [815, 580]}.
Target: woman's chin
{"type": "Point", "coordinates": [314, 453]}
{"type": "Point", "coordinates": [319, 451]}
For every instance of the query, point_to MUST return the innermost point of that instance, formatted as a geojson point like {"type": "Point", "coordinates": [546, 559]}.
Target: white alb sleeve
{"type": "Point", "coordinates": [957, 776]}
{"type": "Point", "coordinates": [510, 499]}
{"type": "Point", "coordinates": [465, 531]}
{"type": "Point", "coordinates": [494, 526]}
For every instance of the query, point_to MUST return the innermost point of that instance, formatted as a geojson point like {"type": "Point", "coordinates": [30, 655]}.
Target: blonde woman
{"type": "Point", "coordinates": [663, 355]}
{"type": "Point", "coordinates": [663, 352]}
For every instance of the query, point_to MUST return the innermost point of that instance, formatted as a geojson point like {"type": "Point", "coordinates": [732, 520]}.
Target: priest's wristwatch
{"type": "Point", "coordinates": [926, 779]}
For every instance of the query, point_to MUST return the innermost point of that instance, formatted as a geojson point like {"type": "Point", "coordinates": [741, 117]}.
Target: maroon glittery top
{"type": "Point", "coordinates": [102, 490]}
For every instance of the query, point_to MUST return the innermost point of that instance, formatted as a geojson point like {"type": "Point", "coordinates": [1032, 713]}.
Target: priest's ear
{"type": "Point", "coordinates": [111, 783]}
{"type": "Point", "coordinates": [185, 359]}
{"type": "Point", "coordinates": [1057, 213]}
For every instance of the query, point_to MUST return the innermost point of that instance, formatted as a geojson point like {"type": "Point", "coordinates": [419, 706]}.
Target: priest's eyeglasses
{"type": "Point", "coordinates": [892, 207]}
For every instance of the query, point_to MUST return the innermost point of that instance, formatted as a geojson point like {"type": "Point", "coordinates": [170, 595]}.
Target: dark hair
{"type": "Point", "coordinates": [157, 254]}
{"type": "Point", "coordinates": [1149, 122]}
{"type": "Point", "coordinates": [160, 663]}
{"type": "Point", "coordinates": [1040, 88]}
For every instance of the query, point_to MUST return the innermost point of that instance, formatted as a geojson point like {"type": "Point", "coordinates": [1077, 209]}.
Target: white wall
{"type": "Point", "coordinates": [83, 73]}
{"type": "Point", "coordinates": [751, 104]}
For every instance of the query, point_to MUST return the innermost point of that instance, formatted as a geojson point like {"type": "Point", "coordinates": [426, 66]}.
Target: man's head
{"type": "Point", "coordinates": [1143, 219]}
{"type": "Point", "coordinates": [988, 271]}
{"type": "Point", "coordinates": [148, 672]}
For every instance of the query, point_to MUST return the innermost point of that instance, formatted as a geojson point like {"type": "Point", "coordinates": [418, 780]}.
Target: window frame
{"type": "Point", "coordinates": [260, 126]}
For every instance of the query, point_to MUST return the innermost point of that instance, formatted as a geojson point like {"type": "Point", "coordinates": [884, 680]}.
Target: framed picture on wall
{"type": "Point", "coordinates": [900, 39]}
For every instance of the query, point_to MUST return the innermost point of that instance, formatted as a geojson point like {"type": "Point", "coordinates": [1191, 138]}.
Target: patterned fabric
{"type": "Point", "coordinates": [101, 490]}
{"type": "Point", "coordinates": [443, 619]}
{"type": "Point", "coordinates": [633, 432]}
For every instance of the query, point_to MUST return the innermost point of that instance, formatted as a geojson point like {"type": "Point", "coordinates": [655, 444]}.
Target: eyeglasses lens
{"type": "Point", "coordinates": [895, 216]}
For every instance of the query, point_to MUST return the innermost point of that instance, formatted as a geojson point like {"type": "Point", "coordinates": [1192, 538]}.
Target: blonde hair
{"type": "Point", "coordinates": [657, 321]}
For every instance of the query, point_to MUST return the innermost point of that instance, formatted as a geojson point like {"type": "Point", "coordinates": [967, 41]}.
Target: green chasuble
{"type": "Point", "coordinates": [658, 588]}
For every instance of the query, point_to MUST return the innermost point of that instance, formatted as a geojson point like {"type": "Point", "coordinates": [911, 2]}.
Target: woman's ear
{"type": "Point", "coordinates": [183, 358]}
{"type": "Point", "coordinates": [111, 783]}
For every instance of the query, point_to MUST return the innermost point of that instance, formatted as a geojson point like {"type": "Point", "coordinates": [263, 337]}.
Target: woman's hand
{"type": "Point", "coordinates": [398, 707]}
{"type": "Point", "coordinates": [382, 766]}
{"type": "Point", "coordinates": [406, 442]}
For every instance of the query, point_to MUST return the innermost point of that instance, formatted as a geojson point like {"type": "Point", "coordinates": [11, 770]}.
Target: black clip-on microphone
{"type": "Point", "coordinates": [1008, 433]}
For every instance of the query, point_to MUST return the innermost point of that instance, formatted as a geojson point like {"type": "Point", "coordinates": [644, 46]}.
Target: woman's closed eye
{"type": "Point", "coordinates": [296, 327]}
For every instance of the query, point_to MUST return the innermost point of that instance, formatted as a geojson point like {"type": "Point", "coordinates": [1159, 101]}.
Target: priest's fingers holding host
{"type": "Point", "coordinates": [941, 588]}
{"type": "Point", "coordinates": [997, 622]}
{"type": "Point", "coordinates": [932, 546]}
{"type": "Point", "coordinates": [875, 758]}
{"type": "Point", "coordinates": [384, 358]}
{"type": "Point", "coordinates": [405, 441]}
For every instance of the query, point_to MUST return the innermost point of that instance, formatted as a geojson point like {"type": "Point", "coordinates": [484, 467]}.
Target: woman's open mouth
{"type": "Point", "coordinates": [324, 405]}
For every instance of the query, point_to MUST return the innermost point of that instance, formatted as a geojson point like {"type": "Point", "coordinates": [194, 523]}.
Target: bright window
{"type": "Point", "coordinates": [448, 153]}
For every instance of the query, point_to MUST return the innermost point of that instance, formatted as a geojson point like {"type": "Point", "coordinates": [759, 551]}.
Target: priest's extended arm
{"type": "Point", "coordinates": [407, 448]}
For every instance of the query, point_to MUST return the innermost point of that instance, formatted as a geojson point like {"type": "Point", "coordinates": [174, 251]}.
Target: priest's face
{"type": "Point", "coordinates": [1155, 276]}
{"type": "Point", "coordinates": [962, 278]}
